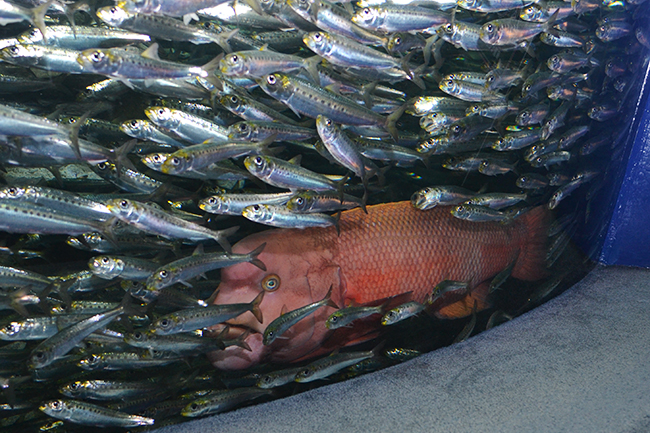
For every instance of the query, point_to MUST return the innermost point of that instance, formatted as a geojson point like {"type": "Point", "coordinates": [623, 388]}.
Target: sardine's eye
{"type": "Point", "coordinates": [306, 373]}
{"type": "Point", "coordinates": [105, 260]}
{"type": "Point", "coordinates": [137, 335]}
{"type": "Point", "coordinates": [334, 319]}
{"type": "Point", "coordinates": [75, 385]}
{"type": "Point", "coordinates": [490, 78]}
{"type": "Point", "coordinates": [156, 158]}
{"type": "Point", "coordinates": [40, 356]}
{"type": "Point", "coordinates": [300, 201]}
{"type": "Point", "coordinates": [134, 123]}
{"type": "Point", "coordinates": [96, 56]}
{"type": "Point", "coordinates": [163, 274]}
{"type": "Point", "coordinates": [449, 28]}
{"type": "Point", "coordinates": [234, 99]}
{"type": "Point", "coordinates": [328, 122]}
{"type": "Point", "coordinates": [256, 207]}
{"type": "Point", "coordinates": [456, 128]}
{"type": "Point", "coordinates": [165, 323]}
{"type": "Point", "coordinates": [102, 166]}
{"type": "Point", "coordinates": [124, 204]}
{"type": "Point", "coordinates": [397, 40]}
{"type": "Point", "coordinates": [194, 406]}
{"type": "Point", "coordinates": [13, 50]}
{"type": "Point", "coordinates": [318, 37]}
{"type": "Point", "coordinates": [258, 160]}
{"type": "Point", "coordinates": [175, 161]}
{"type": "Point", "coordinates": [366, 11]}
{"type": "Point", "coordinates": [489, 28]}
{"type": "Point", "coordinates": [12, 191]}
{"type": "Point", "coordinates": [113, 10]}
{"type": "Point", "coordinates": [161, 111]}
{"type": "Point", "coordinates": [434, 115]}
{"type": "Point", "coordinates": [450, 83]}
{"type": "Point", "coordinates": [271, 80]}
{"type": "Point", "coordinates": [271, 283]}
{"type": "Point", "coordinates": [270, 334]}
{"type": "Point", "coordinates": [243, 127]}
{"type": "Point", "coordinates": [56, 405]}
{"type": "Point", "coordinates": [212, 200]}
{"type": "Point", "coordinates": [234, 58]}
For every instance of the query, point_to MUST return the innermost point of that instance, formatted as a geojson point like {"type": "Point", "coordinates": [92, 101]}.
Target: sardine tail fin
{"type": "Point", "coordinates": [222, 39]}
{"type": "Point", "coordinates": [255, 307]}
{"type": "Point", "coordinates": [221, 238]}
{"type": "Point", "coordinates": [391, 121]}
{"type": "Point", "coordinates": [328, 299]}
{"type": "Point", "coordinates": [311, 66]}
{"type": "Point", "coordinates": [212, 64]}
{"type": "Point", "coordinates": [530, 264]}
{"type": "Point", "coordinates": [259, 264]}
{"type": "Point", "coordinates": [241, 341]}
{"type": "Point", "coordinates": [38, 17]}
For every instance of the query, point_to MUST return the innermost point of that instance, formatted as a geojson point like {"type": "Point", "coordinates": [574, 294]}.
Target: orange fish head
{"type": "Point", "coordinates": [298, 272]}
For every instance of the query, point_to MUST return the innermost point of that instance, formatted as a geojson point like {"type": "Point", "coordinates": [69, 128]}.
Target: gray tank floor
{"type": "Point", "coordinates": [579, 363]}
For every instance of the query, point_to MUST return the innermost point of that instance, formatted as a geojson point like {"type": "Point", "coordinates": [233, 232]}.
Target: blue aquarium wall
{"type": "Point", "coordinates": [616, 228]}
{"type": "Point", "coordinates": [628, 234]}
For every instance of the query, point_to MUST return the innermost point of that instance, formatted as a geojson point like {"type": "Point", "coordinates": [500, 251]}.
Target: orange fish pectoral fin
{"type": "Point", "coordinates": [465, 306]}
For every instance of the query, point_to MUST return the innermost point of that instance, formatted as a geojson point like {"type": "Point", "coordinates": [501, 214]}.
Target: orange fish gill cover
{"type": "Point", "coordinates": [392, 250]}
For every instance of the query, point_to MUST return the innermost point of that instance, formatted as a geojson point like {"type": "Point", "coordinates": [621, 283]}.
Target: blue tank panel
{"type": "Point", "coordinates": [616, 230]}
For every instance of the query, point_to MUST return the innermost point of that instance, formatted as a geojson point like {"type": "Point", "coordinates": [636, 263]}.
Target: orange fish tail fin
{"type": "Point", "coordinates": [531, 263]}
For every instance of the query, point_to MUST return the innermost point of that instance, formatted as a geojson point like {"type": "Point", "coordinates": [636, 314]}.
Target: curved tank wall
{"type": "Point", "coordinates": [576, 363]}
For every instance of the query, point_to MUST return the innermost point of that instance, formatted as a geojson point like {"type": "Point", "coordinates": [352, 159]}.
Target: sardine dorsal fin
{"type": "Point", "coordinates": [295, 160]}
{"type": "Point", "coordinates": [151, 52]}
{"type": "Point", "coordinates": [188, 18]}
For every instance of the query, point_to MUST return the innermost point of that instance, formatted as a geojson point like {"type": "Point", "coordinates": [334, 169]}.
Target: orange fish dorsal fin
{"type": "Point", "coordinates": [284, 310]}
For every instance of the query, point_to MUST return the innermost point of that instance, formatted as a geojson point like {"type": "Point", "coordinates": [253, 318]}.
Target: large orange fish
{"type": "Point", "coordinates": [394, 249]}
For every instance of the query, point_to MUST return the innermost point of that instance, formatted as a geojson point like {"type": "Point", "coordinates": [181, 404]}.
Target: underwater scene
{"type": "Point", "coordinates": [209, 204]}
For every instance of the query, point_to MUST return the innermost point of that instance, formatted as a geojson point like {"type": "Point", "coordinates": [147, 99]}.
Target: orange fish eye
{"type": "Point", "coordinates": [271, 283]}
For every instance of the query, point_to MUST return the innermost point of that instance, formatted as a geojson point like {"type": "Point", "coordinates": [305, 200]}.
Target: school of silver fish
{"type": "Point", "coordinates": [140, 139]}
